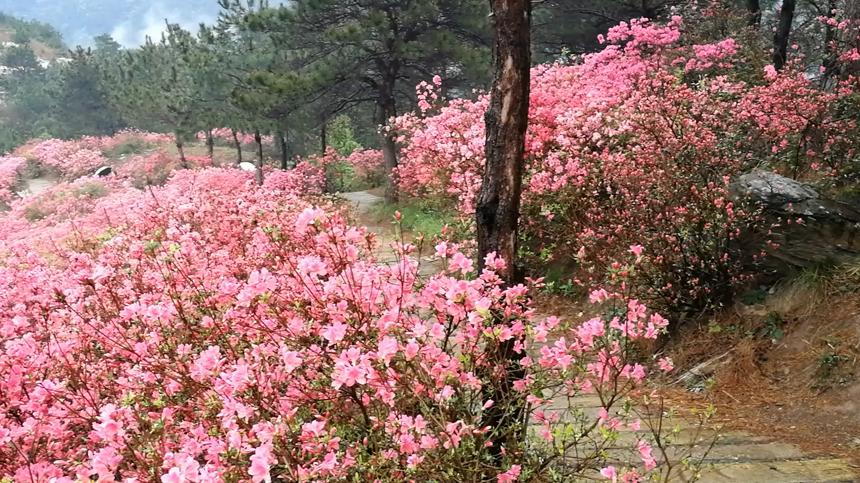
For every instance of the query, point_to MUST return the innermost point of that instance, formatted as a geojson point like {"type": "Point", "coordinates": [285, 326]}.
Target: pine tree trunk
{"type": "Point", "coordinates": [498, 205]}
{"type": "Point", "coordinates": [180, 146]}
{"type": "Point", "coordinates": [386, 109]}
{"type": "Point", "coordinates": [210, 144]}
{"type": "Point", "coordinates": [258, 174]}
{"type": "Point", "coordinates": [783, 31]}
{"type": "Point", "coordinates": [238, 145]}
{"type": "Point", "coordinates": [323, 137]}
{"type": "Point", "coordinates": [753, 13]}
{"type": "Point", "coordinates": [282, 143]}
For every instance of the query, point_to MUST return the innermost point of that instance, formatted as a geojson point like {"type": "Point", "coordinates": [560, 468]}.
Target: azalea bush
{"type": "Point", "coordinates": [11, 168]}
{"type": "Point", "coordinates": [638, 144]}
{"type": "Point", "coordinates": [360, 169]}
{"type": "Point", "coordinates": [154, 168]}
{"type": "Point", "coordinates": [305, 178]}
{"type": "Point", "coordinates": [69, 159]}
{"type": "Point", "coordinates": [368, 166]}
{"type": "Point", "coordinates": [63, 201]}
{"type": "Point", "coordinates": [215, 330]}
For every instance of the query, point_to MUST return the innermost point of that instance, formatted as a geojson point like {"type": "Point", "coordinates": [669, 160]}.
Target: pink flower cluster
{"type": "Point", "coordinates": [367, 163]}
{"type": "Point", "coordinates": [712, 55]}
{"type": "Point", "coordinates": [305, 178]}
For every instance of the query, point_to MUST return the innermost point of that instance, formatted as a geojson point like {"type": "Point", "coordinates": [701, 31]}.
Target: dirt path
{"type": "Point", "coordinates": [34, 186]}
{"type": "Point", "coordinates": [363, 203]}
{"type": "Point", "coordinates": [737, 456]}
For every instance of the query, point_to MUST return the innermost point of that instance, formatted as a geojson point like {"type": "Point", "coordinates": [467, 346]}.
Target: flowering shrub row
{"type": "Point", "coordinates": [208, 329]}
{"type": "Point", "coordinates": [636, 144]}
{"type": "Point", "coordinates": [71, 159]}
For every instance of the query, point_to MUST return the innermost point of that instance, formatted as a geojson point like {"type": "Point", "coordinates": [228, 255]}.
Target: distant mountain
{"type": "Point", "coordinates": [128, 21]}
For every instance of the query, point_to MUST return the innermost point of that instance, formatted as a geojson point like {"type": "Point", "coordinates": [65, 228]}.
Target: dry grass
{"type": "Point", "coordinates": [794, 366]}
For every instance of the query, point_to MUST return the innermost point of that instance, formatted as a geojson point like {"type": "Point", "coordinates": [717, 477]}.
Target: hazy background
{"type": "Point", "coordinates": [127, 21]}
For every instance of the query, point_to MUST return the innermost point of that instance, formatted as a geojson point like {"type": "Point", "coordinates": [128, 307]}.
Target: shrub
{"type": "Point", "coordinates": [303, 178]}
{"type": "Point", "coordinates": [64, 201]}
{"type": "Point", "coordinates": [155, 168]}
{"type": "Point", "coordinates": [131, 146]}
{"type": "Point", "coordinates": [636, 144]}
{"type": "Point", "coordinates": [361, 169]}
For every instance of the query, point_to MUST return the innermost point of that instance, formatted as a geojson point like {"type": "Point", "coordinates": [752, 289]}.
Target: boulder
{"type": "Point", "coordinates": [246, 166]}
{"type": "Point", "coordinates": [103, 171]}
{"type": "Point", "coordinates": [805, 228]}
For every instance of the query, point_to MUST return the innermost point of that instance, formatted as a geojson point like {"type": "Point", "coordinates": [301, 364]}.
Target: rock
{"type": "Point", "coordinates": [808, 230]}
{"type": "Point", "coordinates": [702, 371]}
{"type": "Point", "coordinates": [772, 188]}
{"type": "Point", "coordinates": [246, 166]}
{"type": "Point", "coordinates": [103, 171]}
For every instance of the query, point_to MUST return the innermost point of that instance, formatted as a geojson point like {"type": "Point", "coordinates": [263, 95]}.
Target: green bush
{"type": "Point", "coordinates": [129, 147]}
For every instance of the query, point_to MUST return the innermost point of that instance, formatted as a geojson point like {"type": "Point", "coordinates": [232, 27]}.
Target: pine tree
{"type": "Point", "coordinates": [155, 87]}
{"type": "Point", "coordinates": [375, 51]}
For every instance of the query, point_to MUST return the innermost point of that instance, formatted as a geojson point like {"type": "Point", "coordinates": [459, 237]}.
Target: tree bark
{"type": "Point", "coordinates": [210, 144]}
{"type": "Point", "coordinates": [323, 137]}
{"type": "Point", "coordinates": [180, 146]}
{"type": "Point", "coordinates": [753, 13]}
{"type": "Point", "coordinates": [258, 173]}
{"type": "Point", "coordinates": [386, 109]}
{"type": "Point", "coordinates": [498, 205]}
{"type": "Point", "coordinates": [238, 145]}
{"type": "Point", "coordinates": [783, 31]}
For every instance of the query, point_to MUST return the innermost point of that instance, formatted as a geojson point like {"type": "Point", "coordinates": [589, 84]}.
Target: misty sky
{"type": "Point", "coordinates": [133, 31]}
{"type": "Point", "coordinates": [128, 21]}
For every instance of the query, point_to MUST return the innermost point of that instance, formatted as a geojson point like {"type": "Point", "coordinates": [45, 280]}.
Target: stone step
{"type": "Point", "coordinates": [828, 470]}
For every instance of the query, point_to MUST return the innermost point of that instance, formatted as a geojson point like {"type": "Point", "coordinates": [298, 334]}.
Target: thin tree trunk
{"type": "Point", "coordinates": [783, 31]}
{"type": "Point", "coordinates": [831, 52]}
{"type": "Point", "coordinates": [210, 144]}
{"type": "Point", "coordinates": [238, 145]}
{"type": "Point", "coordinates": [258, 174]}
{"type": "Point", "coordinates": [753, 13]}
{"type": "Point", "coordinates": [180, 146]}
{"type": "Point", "coordinates": [323, 137]}
{"type": "Point", "coordinates": [498, 205]}
{"type": "Point", "coordinates": [282, 144]}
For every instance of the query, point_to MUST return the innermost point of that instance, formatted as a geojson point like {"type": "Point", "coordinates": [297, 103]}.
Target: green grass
{"type": "Point", "coordinates": [418, 215]}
